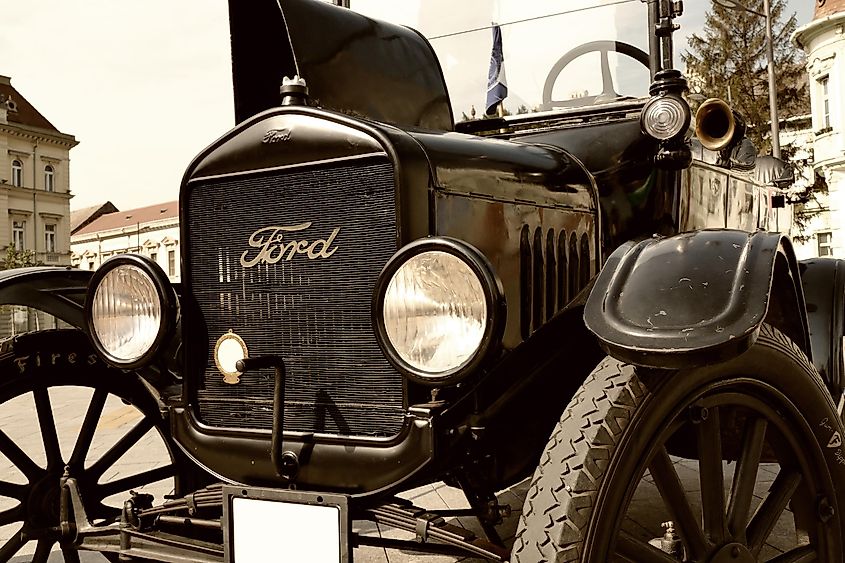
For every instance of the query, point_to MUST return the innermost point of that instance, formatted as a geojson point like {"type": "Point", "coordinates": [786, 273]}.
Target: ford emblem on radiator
{"type": "Point", "coordinates": [276, 135]}
{"type": "Point", "coordinates": [271, 245]}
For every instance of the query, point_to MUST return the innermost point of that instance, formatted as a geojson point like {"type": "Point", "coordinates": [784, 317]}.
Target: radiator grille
{"type": "Point", "coordinates": [313, 312]}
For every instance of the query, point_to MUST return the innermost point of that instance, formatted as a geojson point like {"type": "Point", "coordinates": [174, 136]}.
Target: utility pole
{"type": "Point", "coordinates": [773, 102]}
{"type": "Point", "coordinates": [770, 53]}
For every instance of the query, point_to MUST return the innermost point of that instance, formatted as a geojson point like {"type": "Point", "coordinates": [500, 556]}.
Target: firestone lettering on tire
{"type": "Point", "coordinates": [29, 362]}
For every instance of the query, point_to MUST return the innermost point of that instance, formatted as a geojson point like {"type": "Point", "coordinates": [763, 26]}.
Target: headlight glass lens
{"type": "Point", "coordinates": [126, 313]}
{"type": "Point", "coordinates": [435, 312]}
{"type": "Point", "coordinates": [665, 117]}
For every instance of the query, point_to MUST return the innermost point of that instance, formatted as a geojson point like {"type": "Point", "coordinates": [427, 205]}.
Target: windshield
{"type": "Point", "coordinates": [535, 37]}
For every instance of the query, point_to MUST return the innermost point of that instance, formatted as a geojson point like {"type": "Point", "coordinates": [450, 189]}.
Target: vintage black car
{"type": "Point", "coordinates": [375, 298]}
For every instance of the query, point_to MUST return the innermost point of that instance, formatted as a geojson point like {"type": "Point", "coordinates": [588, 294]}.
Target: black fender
{"type": "Point", "coordinates": [696, 298]}
{"type": "Point", "coordinates": [824, 289]}
{"type": "Point", "coordinates": [59, 291]}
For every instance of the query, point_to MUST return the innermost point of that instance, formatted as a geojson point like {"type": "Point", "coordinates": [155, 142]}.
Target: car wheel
{"type": "Point", "coordinates": [629, 430]}
{"type": "Point", "coordinates": [62, 408]}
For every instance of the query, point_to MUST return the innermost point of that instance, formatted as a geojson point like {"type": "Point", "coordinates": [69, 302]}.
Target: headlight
{"type": "Point", "coordinates": [130, 308]}
{"type": "Point", "coordinates": [438, 310]}
{"type": "Point", "coordinates": [665, 117]}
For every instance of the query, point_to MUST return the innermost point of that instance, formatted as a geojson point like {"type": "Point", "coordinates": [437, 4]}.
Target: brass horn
{"type": "Point", "coordinates": [717, 126]}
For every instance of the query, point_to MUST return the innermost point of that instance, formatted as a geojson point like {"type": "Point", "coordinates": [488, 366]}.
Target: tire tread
{"type": "Point", "coordinates": [600, 411]}
{"type": "Point", "coordinates": [565, 485]}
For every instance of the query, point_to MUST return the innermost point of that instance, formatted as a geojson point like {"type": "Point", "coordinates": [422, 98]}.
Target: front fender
{"type": "Point", "coordinates": [59, 291]}
{"type": "Point", "coordinates": [696, 298]}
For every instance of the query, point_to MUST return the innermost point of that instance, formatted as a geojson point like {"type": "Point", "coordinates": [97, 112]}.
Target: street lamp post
{"type": "Point", "coordinates": [770, 52]}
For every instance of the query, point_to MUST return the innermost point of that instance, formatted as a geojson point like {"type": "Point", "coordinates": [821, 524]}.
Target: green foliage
{"type": "Point", "coordinates": [805, 206]}
{"type": "Point", "coordinates": [18, 259]}
{"type": "Point", "coordinates": [729, 61]}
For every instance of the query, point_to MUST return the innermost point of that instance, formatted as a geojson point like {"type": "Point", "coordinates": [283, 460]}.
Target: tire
{"type": "Point", "coordinates": [767, 405]}
{"type": "Point", "coordinates": [35, 370]}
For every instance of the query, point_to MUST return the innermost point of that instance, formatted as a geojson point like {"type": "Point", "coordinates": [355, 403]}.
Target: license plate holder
{"type": "Point", "coordinates": [259, 523]}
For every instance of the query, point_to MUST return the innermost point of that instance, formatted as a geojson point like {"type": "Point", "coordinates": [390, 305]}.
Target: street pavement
{"type": "Point", "coordinates": [18, 420]}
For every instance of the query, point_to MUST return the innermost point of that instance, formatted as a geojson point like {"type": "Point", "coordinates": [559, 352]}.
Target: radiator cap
{"type": "Point", "coordinates": [294, 91]}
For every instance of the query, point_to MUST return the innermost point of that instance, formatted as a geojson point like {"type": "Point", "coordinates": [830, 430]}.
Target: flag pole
{"type": "Point", "coordinates": [497, 85]}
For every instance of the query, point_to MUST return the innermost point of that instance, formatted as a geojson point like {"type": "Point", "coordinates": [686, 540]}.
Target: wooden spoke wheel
{"type": "Point", "coordinates": [63, 408]}
{"type": "Point", "coordinates": [744, 457]}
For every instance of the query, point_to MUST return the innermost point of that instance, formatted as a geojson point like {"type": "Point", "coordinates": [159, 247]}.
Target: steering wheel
{"type": "Point", "coordinates": [608, 94]}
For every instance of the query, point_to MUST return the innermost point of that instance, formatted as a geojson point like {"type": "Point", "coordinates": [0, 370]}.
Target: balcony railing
{"type": "Point", "coordinates": [53, 257]}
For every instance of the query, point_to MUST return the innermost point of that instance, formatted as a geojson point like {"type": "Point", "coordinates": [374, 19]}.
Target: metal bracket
{"type": "Point", "coordinates": [79, 531]}
{"type": "Point", "coordinates": [422, 530]}
{"type": "Point", "coordinates": [486, 509]}
{"type": "Point", "coordinates": [192, 504]}
{"type": "Point", "coordinates": [123, 538]}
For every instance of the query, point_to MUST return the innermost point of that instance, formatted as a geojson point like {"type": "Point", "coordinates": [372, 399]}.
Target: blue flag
{"type": "Point", "coordinates": [497, 84]}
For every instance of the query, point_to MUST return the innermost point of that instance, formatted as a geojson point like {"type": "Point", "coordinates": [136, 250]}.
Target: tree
{"type": "Point", "coordinates": [18, 259]}
{"type": "Point", "coordinates": [729, 61]}
{"type": "Point", "coordinates": [808, 196]}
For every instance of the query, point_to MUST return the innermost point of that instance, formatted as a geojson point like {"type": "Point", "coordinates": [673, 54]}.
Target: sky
{"type": "Point", "coordinates": [145, 86]}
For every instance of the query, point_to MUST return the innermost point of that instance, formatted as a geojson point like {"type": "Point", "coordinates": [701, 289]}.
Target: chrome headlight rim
{"type": "Point", "coordinates": [166, 295]}
{"type": "Point", "coordinates": [494, 300]}
{"type": "Point", "coordinates": [684, 123]}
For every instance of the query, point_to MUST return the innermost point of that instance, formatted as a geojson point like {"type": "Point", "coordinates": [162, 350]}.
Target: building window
{"type": "Point", "coordinates": [49, 238]}
{"type": "Point", "coordinates": [18, 230]}
{"type": "Point", "coordinates": [171, 263]}
{"type": "Point", "coordinates": [91, 265]}
{"type": "Point", "coordinates": [17, 173]}
{"type": "Point", "coordinates": [824, 82]}
{"type": "Point", "coordinates": [154, 256]}
{"type": "Point", "coordinates": [48, 179]}
{"type": "Point", "coordinates": [825, 244]}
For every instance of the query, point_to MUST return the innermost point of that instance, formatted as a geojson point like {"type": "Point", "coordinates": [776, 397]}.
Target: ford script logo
{"type": "Point", "coordinates": [272, 244]}
{"type": "Point", "coordinates": [276, 135]}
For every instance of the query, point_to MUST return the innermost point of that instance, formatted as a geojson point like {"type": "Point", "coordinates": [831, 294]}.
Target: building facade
{"type": "Point", "coordinates": [34, 198]}
{"type": "Point", "coordinates": [152, 231]}
{"type": "Point", "coordinates": [34, 180]}
{"type": "Point", "coordinates": [823, 39]}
